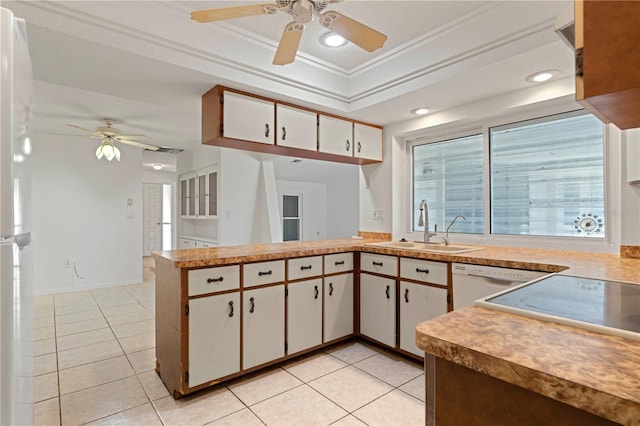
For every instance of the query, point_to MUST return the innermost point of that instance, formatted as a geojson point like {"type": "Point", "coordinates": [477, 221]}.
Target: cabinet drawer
{"type": "Point", "coordinates": [341, 262]}
{"type": "Point", "coordinates": [423, 270]}
{"type": "Point", "coordinates": [211, 280]}
{"type": "Point", "coordinates": [379, 263]}
{"type": "Point", "coordinates": [263, 273]}
{"type": "Point", "coordinates": [305, 267]}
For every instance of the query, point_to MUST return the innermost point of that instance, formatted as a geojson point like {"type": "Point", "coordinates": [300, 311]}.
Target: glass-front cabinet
{"type": "Point", "coordinates": [199, 194]}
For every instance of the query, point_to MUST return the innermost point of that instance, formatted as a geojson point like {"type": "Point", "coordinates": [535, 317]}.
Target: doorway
{"type": "Point", "coordinates": [157, 226]}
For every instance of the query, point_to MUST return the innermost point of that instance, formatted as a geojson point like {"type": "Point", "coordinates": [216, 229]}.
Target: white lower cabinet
{"type": "Point", "coordinates": [214, 337]}
{"type": "Point", "coordinates": [378, 308]}
{"type": "Point", "coordinates": [262, 325]}
{"type": "Point", "coordinates": [304, 315]}
{"type": "Point", "coordinates": [418, 303]}
{"type": "Point", "coordinates": [338, 306]}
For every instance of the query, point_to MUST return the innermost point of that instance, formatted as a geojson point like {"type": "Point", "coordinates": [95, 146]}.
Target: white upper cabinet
{"type": "Point", "coordinates": [368, 142]}
{"type": "Point", "coordinates": [248, 118]}
{"type": "Point", "coordinates": [335, 136]}
{"type": "Point", "coordinates": [296, 128]}
{"type": "Point", "coordinates": [632, 138]}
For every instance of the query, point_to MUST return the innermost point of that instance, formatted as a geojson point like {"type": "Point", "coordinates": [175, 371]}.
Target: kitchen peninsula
{"type": "Point", "coordinates": [544, 363]}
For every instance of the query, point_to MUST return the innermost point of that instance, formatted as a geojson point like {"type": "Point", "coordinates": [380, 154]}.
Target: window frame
{"type": "Point", "coordinates": [612, 185]}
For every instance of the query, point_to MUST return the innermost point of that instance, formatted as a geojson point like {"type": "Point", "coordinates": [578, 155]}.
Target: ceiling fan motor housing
{"type": "Point", "coordinates": [303, 11]}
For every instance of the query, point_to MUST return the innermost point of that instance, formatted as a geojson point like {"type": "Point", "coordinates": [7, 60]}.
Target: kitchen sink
{"type": "Point", "coordinates": [426, 247]}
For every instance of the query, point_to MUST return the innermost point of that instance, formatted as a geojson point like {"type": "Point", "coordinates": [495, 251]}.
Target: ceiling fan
{"type": "Point", "coordinates": [109, 135]}
{"type": "Point", "coordinates": [303, 12]}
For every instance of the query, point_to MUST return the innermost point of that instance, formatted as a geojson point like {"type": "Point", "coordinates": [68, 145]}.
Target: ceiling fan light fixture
{"type": "Point", "coordinates": [108, 151]}
{"type": "Point", "coordinates": [157, 167]}
{"type": "Point", "coordinates": [332, 39]}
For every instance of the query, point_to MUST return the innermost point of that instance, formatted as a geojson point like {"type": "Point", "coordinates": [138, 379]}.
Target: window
{"type": "Point", "coordinates": [547, 177]}
{"type": "Point", "coordinates": [290, 218]}
{"type": "Point", "coordinates": [449, 176]}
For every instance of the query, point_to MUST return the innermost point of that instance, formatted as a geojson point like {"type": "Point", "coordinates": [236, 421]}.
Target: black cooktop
{"type": "Point", "coordinates": [610, 304]}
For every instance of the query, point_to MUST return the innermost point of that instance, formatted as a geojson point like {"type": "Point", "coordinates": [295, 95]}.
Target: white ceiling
{"type": "Point", "coordinates": [146, 63]}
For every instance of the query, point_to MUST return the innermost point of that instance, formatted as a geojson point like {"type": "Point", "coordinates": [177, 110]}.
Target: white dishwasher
{"type": "Point", "coordinates": [472, 282]}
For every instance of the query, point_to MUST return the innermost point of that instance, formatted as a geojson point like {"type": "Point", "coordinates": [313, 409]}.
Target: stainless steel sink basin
{"type": "Point", "coordinates": [427, 247]}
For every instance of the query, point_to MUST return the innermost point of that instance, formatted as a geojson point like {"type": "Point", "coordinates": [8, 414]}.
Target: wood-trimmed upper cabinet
{"type": "Point", "coordinates": [368, 142]}
{"type": "Point", "coordinates": [608, 60]}
{"type": "Point", "coordinates": [335, 136]}
{"type": "Point", "coordinates": [296, 128]}
{"type": "Point", "coordinates": [248, 118]}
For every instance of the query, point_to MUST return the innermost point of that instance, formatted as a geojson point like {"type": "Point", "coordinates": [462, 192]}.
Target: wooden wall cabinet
{"type": "Point", "coordinates": [235, 119]}
{"type": "Point", "coordinates": [608, 60]}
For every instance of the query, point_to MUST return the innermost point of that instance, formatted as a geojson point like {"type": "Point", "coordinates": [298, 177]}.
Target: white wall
{"type": "Point", "coordinates": [343, 200]}
{"type": "Point", "coordinates": [80, 213]}
{"type": "Point", "coordinates": [630, 206]}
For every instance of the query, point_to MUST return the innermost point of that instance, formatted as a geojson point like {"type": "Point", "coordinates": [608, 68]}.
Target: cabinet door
{"type": "Point", "coordinates": [378, 308]}
{"type": "Point", "coordinates": [201, 197]}
{"type": "Point", "coordinates": [212, 193]}
{"type": "Point", "coordinates": [335, 136]}
{"type": "Point", "coordinates": [214, 337]}
{"type": "Point", "coordinates": [368, 142]}
{"type": "Point", "coordinates": [304, 315]}
{"type": "Point", "coordinates": [248, 118]}
{"type": "Point", "coordinates": [418, 303]}
{"type": "Point", "coordinates": [191, 202]}
{"type": "Point", "coordinates": [297, 128]}
{"type": "Point", "coordinates": [338, 306]}
{"type": "Point", "coordinates": [184, 196]}
{"type": "Point", "coordinates": [262, 325]}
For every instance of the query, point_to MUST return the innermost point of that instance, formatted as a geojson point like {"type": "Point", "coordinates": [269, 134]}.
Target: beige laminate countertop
{"type": "Point", "coordinates": [594, 372]}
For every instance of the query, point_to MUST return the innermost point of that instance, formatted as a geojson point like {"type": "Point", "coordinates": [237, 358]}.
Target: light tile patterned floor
{"type": "Point", "coordinates": [95, 357]}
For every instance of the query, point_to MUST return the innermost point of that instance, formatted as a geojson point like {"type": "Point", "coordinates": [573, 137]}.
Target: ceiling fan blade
{"type": "Point", "coordinates": [212, 15]}
{"type": "Point", "coordinates": [289, 42]}
{"type": "Point", "coordinates": [138, 144]}
{"type": "Point", "coordinates": [354, 31]}
{"type": "Point", "coordinates": [68, 134]}
{"type": "Point", "coordinates": [134, 137]}
{"type": "Point", "coordinates": [81, 128]}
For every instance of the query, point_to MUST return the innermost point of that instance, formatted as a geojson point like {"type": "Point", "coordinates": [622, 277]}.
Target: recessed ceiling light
{"type": "Point", "coordinates": [420, 111]}
{"type": "Point", "coordinates": [332, 39]}
{"type": "Point", "coordinates": [157, 167]}
{"type": "Point", "coordinates": [539, 77]}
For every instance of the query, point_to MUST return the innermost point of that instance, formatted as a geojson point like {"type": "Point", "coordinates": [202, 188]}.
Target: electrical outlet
{"type": "Point", "coordinates": [67, 264]}
{"type": "Point", "coordinates": [378, 214]}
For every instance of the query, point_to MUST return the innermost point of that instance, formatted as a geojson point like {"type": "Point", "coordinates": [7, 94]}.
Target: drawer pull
{"type": "Point", "coordinates": [377, 264]}
{"type": "Point", "coordinates": [266, 130]}
{"type": "Point", "coordinates": [315, 287]}
{"type": "Point", "coordinates": [264, 273]}
{"type": "Point", "coordinates": [253, 305]}
{"type": "Point", "coordinates": [330, 289]}
{"type": "Point", "coordinates": [347, 145]}
{"type": "Point", "coordinates": [302, 268]}
{"type": "Point", "coordinates": [406, 295]}
{"type": "Point", "coordinates": [215, 280]}
{"type": "Point", "coordinates": [387, 292]}
{"type": "Point", "coordinates": [424, 271]}
{"type": "Point", "coordinates": [339, 263]}
{"type": "Point", "coordinates": [284, 133]}
{"type": "Point", "coordinates": [230, 308]}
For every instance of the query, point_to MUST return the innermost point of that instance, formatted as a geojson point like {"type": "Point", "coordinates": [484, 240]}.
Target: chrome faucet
{"type": "Point", "coordinates": [445, 240]}
{"type": "Point", "coordinates": [424, 221]}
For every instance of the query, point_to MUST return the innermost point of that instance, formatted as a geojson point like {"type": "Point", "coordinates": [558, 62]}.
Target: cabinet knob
{"type": "Point", "coordinates": [424, 271]}
{"type": "Point", "coordinates": [377, 264]}
{"type": "Point", "coordinates": [264, 273]}
{"type": "Point", "coordinates": [214, 280]}
{"type": "Point", "coordinates": [302, 268]}
{"type": "Point", "coordinates": [348, 145]}
{"type": "Point", "coordinates": [339, 263]}
{"type": "Point", "coordinates": [253, 305]}
{"type": "Point", "coordinates": [359, 146]}
{"type": "Point", "coordinates": [330, 289]}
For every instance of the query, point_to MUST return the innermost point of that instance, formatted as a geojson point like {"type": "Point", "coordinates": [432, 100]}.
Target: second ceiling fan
{"type": "Point", "coordinates": [303, 12]}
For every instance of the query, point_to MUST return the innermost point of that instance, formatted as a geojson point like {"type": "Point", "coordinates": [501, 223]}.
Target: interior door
{"type": "Point", "coordinates": [152, 213]}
